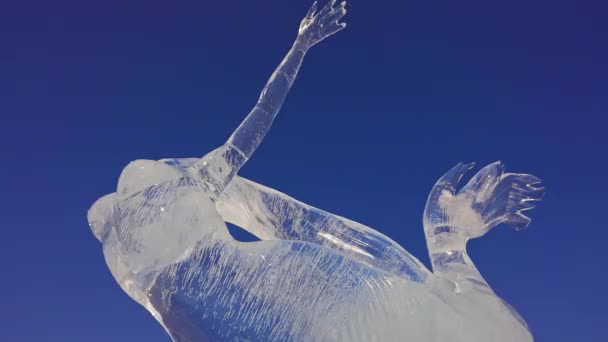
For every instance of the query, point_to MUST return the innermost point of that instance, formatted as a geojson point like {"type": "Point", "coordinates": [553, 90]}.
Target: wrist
{"type": "Point", "coordinates": [300, 45]}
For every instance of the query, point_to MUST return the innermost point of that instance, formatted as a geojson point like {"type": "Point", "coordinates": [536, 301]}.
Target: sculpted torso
{"type": "Point", "coordinates": [314, 275]}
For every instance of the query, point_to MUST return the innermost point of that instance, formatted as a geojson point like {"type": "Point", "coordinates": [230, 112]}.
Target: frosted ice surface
{"type": "Point", "coordinates": [313, 275]}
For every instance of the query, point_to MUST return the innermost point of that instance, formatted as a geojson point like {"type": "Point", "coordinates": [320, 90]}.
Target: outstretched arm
{"type": "Point", "coordinates": [271, 215]}
{"type": "Point", "coordinates": [221, 165]}
{"type": "Point", "coordinates": [314, 28]}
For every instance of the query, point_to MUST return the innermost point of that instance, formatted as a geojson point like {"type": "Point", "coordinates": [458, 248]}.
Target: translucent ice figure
{"type": "Point", "coordinates": [314, 275]}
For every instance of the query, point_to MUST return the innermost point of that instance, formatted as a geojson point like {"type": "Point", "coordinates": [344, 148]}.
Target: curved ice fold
{"type": "Point", "coordinates": [314, 275]}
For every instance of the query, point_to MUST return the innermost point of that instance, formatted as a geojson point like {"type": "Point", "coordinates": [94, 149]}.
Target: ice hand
{"type": "Point", "coordinates": [317, 26]}
{"type": "Point", "coordinates": [490, 198]}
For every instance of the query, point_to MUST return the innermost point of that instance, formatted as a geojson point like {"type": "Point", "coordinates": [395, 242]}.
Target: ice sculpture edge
{"type": "Point", "coordinates": [314, 275]}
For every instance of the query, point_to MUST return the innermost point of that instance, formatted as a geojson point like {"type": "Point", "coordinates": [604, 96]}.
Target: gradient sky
{"type": "Point", "coordinates": [378, 113]}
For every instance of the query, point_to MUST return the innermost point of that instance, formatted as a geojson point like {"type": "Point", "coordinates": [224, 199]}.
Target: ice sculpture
{"type": "Point", "coordinates": [314, 275]}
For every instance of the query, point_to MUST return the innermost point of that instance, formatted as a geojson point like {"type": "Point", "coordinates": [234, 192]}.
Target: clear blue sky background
{"type": "Point", "coordinates": [378, 113]}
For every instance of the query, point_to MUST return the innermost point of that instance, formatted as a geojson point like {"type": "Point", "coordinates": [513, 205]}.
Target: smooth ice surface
{"type": "Point", "coordinates": [314, 275]}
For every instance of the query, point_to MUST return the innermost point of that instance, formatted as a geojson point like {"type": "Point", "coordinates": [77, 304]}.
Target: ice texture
{"type": "Point", "coordinates": [313, 276]}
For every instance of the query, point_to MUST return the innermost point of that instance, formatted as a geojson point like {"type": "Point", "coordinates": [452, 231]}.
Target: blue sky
{"type": "Point", "coordinates": [378, 113]}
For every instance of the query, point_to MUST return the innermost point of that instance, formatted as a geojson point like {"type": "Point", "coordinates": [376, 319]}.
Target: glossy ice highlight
{"type": "Point", "coordinates": [314, 275]}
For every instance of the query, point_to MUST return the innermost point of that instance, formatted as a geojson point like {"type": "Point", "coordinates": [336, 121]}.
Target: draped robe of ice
{"type": "Point", "coordinates": [314, 276]}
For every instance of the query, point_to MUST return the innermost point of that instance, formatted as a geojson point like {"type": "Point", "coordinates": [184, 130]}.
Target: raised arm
{"type": "Point", "coordinates": [314, 28]}
{"type": "Point", "coordinates": [218, 168]}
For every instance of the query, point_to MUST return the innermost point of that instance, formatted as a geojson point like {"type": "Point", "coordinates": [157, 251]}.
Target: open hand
{"type": "Point", "coordinates": [317, 26]}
